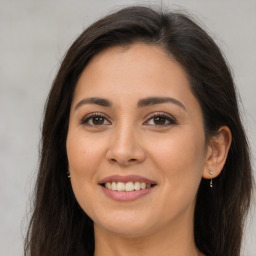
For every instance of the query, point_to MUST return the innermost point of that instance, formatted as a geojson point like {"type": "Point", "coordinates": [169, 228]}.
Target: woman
{"type": "Point", "coordinates": [143, 150]}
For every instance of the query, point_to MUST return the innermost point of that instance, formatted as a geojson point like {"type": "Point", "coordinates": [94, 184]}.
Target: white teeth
{"type": "Point", "coordinates": [137, 185]}
{"type": "Point", "coordinates": [114, 186]}
{"type": "Point", "coordinates": [120, 186]}
{"type": "Point", "coordinates": [129, 186]}
{"type": "Point", "coordinates": [108, 185]}
{"type": "Point", "coordinates": [142, 185]}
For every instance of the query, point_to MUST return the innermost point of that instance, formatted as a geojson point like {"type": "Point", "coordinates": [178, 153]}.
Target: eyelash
{"type": "Point", "coordinates": [85, 120]}
{"type": "Point", "coordinates": [171, 120]}
{"type": "Point", "coordinates": [167, 117]}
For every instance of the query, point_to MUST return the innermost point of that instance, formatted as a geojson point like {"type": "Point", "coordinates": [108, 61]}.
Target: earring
{"type": "Point", "coordinates": [68, 173]}
{"type": "Point", "coordinates": [211, 179]}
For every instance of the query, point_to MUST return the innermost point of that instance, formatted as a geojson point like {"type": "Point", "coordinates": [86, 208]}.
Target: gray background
{"type": "Point", "coordinates": [35, 34]}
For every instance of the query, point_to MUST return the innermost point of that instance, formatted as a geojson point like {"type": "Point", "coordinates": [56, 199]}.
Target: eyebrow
{"type": "Point", "coordinates": [141, 103]}
{"type": "Point", "coordinates": [158, 100]}
{"type": "Point", "coordinates": [97, 101]}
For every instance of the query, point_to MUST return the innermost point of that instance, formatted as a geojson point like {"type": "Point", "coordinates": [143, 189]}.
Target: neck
{"type": "Point", "coordinates": [175, 239]}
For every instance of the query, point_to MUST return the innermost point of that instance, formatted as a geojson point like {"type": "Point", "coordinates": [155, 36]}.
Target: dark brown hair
{"type": "Point", "coordinates": [58, 225]}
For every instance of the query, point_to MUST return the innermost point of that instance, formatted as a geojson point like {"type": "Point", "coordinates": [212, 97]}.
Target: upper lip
{"type": "Point", "coordinates": [127, 178]}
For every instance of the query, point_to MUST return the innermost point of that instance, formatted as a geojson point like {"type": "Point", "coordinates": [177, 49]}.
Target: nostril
{"type": "Point", "coordinates": [130, 160]}
{"type": "Point", "coordinates": [123, 161]}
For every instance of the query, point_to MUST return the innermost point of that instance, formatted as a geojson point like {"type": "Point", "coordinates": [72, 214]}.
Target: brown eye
{"type": "Point", "coordinates": [98, 120]}
{"type": "Point", "coordinates": [95, 119]}
{"type": "Point", "coordinates": [159, 120]}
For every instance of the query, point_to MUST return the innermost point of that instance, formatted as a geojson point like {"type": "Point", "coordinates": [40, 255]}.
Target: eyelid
{"type": "Point", "coordinates": [162, 114]}
{"type": "Point", "coordinates": [169, 117]}
{"type": "Point", "coordinates": [91, 115]}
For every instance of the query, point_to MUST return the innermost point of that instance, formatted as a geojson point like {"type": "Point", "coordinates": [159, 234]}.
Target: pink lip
{"type": "Point", "coordinates": [126, 196]}
{"type": "Point", "coordinates": [123, 195]}
{"type": "Point", "coordinates": [127, 178]}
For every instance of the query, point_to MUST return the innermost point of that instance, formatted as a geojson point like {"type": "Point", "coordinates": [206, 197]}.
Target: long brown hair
{"type": "Point", "coordinates": [58, 225]}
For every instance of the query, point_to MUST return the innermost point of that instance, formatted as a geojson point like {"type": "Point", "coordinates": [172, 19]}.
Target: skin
{"type": "Point", "coordinates": [128, 140]}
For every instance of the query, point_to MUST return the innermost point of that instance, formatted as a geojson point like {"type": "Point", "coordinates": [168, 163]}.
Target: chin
{"type": "Point", "coordinates": [127, 226]}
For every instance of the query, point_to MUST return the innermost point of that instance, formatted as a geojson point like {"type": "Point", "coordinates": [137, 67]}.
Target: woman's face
{"type": "Point", "coordinates": [136, 128]}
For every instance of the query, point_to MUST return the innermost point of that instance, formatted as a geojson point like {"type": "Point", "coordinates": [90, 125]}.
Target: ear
{"type": "Point", "coordinates": [217, 152]}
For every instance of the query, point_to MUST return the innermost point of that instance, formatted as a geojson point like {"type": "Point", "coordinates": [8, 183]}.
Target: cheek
{"type": "Point", "coordinates": [180, 159]}
{"type": "Point", "coordinates": [180, 162]}
{"type": "Point", "coordinates": [83, 159]}
{"type": "Point", "coordinates": [83, 155]}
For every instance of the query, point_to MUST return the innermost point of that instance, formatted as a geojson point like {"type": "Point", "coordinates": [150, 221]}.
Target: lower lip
{"type": "Point", "coordinates": [127, 196]}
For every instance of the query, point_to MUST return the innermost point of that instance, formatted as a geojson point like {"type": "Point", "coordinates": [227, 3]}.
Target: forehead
{"type": "Point", "coordinates": [137, 71]}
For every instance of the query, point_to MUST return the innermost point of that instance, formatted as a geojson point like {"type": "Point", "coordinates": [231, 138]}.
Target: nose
{"type": "Point", "coordinates": [125, 147]}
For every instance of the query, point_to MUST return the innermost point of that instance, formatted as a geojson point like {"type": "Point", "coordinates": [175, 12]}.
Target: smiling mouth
{"type": "Point", "coordinates": [127, 186]}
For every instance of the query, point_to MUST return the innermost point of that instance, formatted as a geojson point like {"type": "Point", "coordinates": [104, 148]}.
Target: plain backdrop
{"type": "Point", "coordinates": [34, 36]}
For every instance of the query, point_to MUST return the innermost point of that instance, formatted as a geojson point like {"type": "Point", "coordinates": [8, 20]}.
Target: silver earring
{"type": "Point", "coordinates": [211, 179]}
{"type": "Point", "coordinates": [68, 173]}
